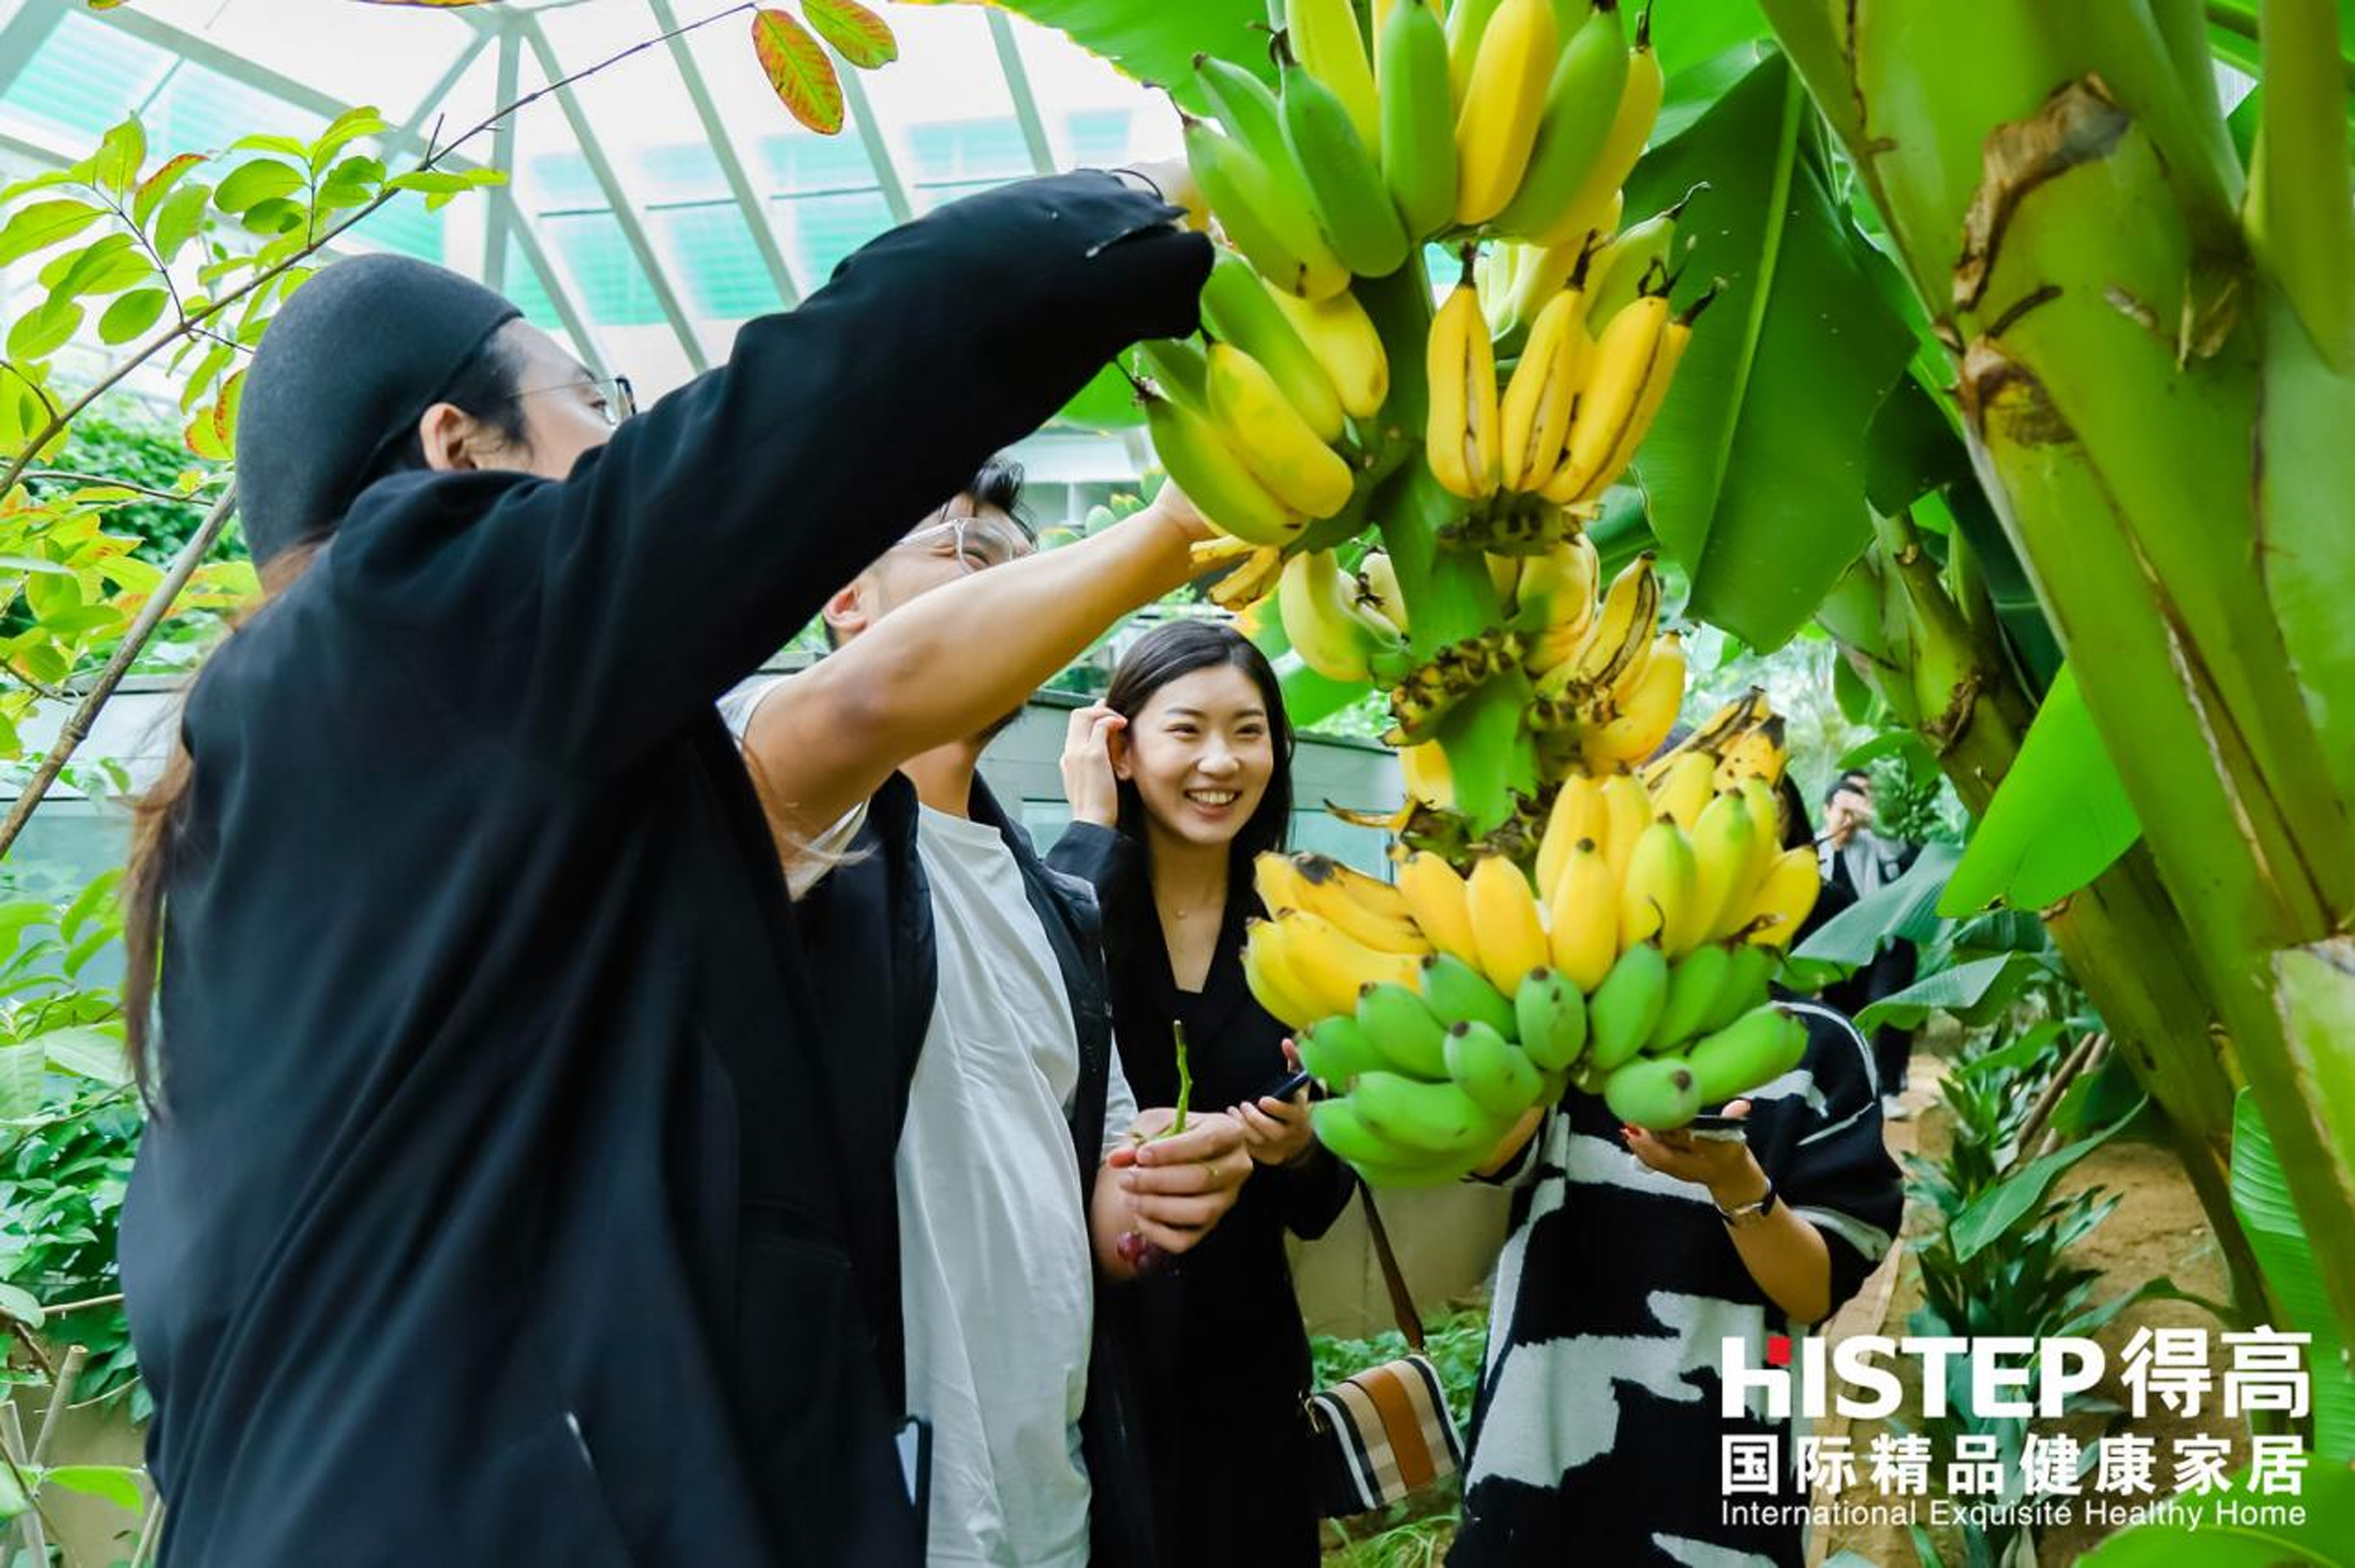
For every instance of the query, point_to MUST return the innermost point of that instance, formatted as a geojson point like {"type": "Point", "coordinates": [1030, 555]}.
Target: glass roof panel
{"type": "Point", "coordinates": [85, 77]}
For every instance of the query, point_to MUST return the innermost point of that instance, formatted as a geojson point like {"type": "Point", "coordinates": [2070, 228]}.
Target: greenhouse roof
{"type": "Point", "coordinates": [651, 208]}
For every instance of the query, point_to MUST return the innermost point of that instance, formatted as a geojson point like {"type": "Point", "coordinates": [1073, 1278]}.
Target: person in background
{"type": "Point", "coordinates": [1856, 861]}
{"type": "Point", "coordinates": [492, 1206]}
{"type": "Point", "coordinates": [1177, 780]}
{"type": "Point", "coordinates": [1630, 1258]}
{"type": "Point", "coordinates": [1016, 1189]}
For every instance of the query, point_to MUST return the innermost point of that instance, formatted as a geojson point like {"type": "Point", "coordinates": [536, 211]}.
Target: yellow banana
{"type": "Point", "coordinates": [1625, 360]}
{"type": "Point", "coordinates": [1681, 795]}
{"type": "Point", "coordinates": [1253, 416]}
{"type": "Point", "coordinates": [1461, 434]}
{"type": "Point", "coordinates": [1767, 813]}
{"type": "Point", "coordinates": [1428, 778]}
{"type": "Point", "coordinates": [1756, 752]}
{"type": "Point", "coordinates": [1784, 898]}
{"type": "Point", "coordinates": [1332, 965]}
{"type": "Point", "coordinates": [1506, 922]}
{"type": "Point", "coordinates": [1505, 576]}
{"type": "Point", "coordinates": [1334, 635]}
{"type": "Point", "coordinates": [1250, 574]}
{"type": "Point", "coordinates": [1647, 710]}
{"type": "Point", "coordinates": [1504, 101]}
{"type": "Point", "coordinates": [1725, 845]}
{"type": "Point", "coordinates": [1435, 896]}
{"type": "Point", "coordinates": [1656, 901]}
{"type": "Point", "coordinates": [1325, 36]}
{"type": "Point", "coordinates": [1630, 124]}
{"type": "Point", "coordinates": [1365, 908]}
{"type": "Point", "coordinates": [1579, 813]}
{"type": "Point", "coordinates": [1620, 632]}
{"type": "Point", "coordinates": [1714, 735]}
{"type": "Point", "coordinates": [1278, 882]}
{"type": "Point", "coordinates": [1630, 813]}
{"type": "Point", "coordinates": [1377, 590]}
{"type": "Point", "coordinates": [1535, 414]}
{"type": "Point", "coordinates": [1266, 969]}
{"type": "Point", "coordinates": [1215, 478]}
{"type": "Point", "coordinates": [1342, 335]}
{"type": "Point", "coordinates": [1585, 938]}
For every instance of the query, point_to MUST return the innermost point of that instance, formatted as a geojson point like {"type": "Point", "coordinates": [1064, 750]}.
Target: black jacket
{"type": "Point", "coordinates": [496, 1209]}
{"type": "Point", "coordinates": [1226, 1361]}
{"type": "Point", "coordinates": [873, 957]}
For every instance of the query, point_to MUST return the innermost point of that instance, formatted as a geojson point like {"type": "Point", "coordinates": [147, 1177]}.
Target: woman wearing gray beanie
{"type": "Point", "coordinates": [490, 1210]}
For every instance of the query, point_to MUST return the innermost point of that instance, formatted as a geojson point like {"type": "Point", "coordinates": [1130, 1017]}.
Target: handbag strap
{"type": "Point", "coordinates": [1401, 1302]}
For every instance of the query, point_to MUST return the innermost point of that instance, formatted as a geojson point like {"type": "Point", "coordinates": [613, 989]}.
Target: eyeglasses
{"type": "Point", "coordinates": [977, 542]}
{"type": "Point", "coordinates": [615, 401]}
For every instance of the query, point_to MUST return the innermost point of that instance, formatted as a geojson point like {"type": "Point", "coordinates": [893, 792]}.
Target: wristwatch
{"type": "Point", "coordinates": [1745, 1214]}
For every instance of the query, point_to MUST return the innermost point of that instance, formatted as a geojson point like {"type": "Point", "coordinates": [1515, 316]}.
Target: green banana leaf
{"type": "Point", "coordinates": [2059, 819]}
{"type": "Point", "coordinates": [1905, 908]}
{"type": "Point", "coordinates": [1108, 402]}
{"type": "Point", "coordinates": [2262, 1199]}
{"type": "Point", "coordinates": [1156, 42]}
{"type": "Point", "coordinates": [2019, 1193]}
{"type": "Point", "coordinates": [2197, 1539]}
{"type": "Point", "coordinates": [1756, 466]}
{"type": "Point", "coordinates": [1975, 992]}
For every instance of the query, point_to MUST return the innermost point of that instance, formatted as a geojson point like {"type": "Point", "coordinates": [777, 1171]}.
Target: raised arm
{"type": "Point", "coordinates": [948, 662]}
{"type": "Point", "coordinates": [596, 615]}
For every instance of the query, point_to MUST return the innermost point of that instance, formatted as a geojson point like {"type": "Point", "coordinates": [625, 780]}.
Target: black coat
{"type": "Point", "coordinates": [1226, 1362]}
{"type": "Point", "coordinates": [494, 1212]}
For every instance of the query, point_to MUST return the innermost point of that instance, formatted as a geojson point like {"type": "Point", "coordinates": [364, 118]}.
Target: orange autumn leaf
{"type": "Point", "coordinates": [796, 65]}
{"type": "Point", "coordinates": [857, 34]}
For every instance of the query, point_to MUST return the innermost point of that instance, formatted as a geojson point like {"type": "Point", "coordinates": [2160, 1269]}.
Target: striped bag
{"type": "Point", "coordinates": [1385, 1431]}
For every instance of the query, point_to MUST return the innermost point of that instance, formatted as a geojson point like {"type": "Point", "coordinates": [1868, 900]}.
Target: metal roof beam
{"type": "Point", "coordinates": [723, 148]}
{"type": "Point", "coordinates": [593, 153]}
{"type": "Point", "coordinates": [502, 159]}
{"type": "Point", "coordinates": [1018, 84]}
{"type": "Point", "coordinates": [895, 191]}
{"type": "Point", "coordinates": [21, 38]}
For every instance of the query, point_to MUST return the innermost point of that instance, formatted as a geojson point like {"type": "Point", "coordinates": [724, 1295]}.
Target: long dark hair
{"type": "Point", "coordinates": [484, 387]}
{"type": "Point", "coordinates": [1178, 648]}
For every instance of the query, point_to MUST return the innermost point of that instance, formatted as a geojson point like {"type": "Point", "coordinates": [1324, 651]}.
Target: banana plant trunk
{"type": "Point", "coordinates": [2128, 344]}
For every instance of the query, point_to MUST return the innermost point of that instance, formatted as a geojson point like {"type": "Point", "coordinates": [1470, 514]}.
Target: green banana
{"type": "Point", "coordinates": [1344, 182]}
{"type": "Point", "coordinates": [1459, 994]}
{"type": "Point", "coordinates": [1324, 36]}
{"type": "Point", "coordinates": [1554, 1086]}
{"type": "Point", "coordinates": [1754, 1050]}
{"type": "Point", "coordinates": [1214, 479]}
{"type": "Point", "coordinates": [1265, 213]}
{"type": "Point", "coordinates": [1246, 107]}
{"type": "Point", "coordinates": [1179, 370]}
{"type": "Point", "coordinates": [1693, 986]}
{"type": "Point", "coordinates": [1748, 971]}
{"type": "Point", "coordinates": [1334, 635]}
{"type": "Point", "coordinates": [1339, 1129]}
{"type": "Point", "coordinates": [1467, 21]}
{"type": "Point", "coordinates": [1624, 1009]}
{"type": "Point", "coordinates": [1644, 249]}
{"type": "Point", "coordinates": [1240, 309]}
{"type": "Point", "coordinates": [1552, 1019]}
{"type": "Point", "coordinates": [1433, 1117]}
{"type": "Point", "coordinates": [1581, 102]}
{"type": "Point", "coordinates": [1658, 1094]}
{"type": "Point", "coordinates": [1494, 1074]}
{"type": "Point", "coordinates": [1401, 1028]}
{"type": "Point", "coordinates": [1336, 1050]}
{"type": "Point", "coordinates": [1418, 119]}
{"type": "Point", "coordinates": [1260, 426]}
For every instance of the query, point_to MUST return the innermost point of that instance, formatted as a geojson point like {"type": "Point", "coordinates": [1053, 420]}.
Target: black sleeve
{"type": "Point", "coordinates": [1833, 1167]}
{"type": "Point", "coordinates": [1314, 1192]}
{"type": "Point", "coordinates": [592, 617]}
{"type": "Point", "coordinates": [1105, 859]}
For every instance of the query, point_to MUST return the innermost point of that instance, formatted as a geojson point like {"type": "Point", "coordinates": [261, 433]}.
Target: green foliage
{"type": "Point", "coordinates": [2261, 1197]}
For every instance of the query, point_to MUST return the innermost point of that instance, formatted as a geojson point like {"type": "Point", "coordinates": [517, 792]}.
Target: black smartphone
{"type": "Point", "coordinates": [1288, 1085]}
{"type": "Point", "coordinates": [1709, 1124]}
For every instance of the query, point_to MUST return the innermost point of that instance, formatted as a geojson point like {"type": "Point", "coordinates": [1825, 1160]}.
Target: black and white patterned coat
{"type": "Point", "coordinates": [1597, 1435]}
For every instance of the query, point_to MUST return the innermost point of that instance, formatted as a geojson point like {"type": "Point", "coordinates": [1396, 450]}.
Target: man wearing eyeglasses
{"type": "Point", "coordinates": [968, 984]}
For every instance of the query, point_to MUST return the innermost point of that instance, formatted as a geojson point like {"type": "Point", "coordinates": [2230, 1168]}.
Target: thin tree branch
{"type": "Point", "coordinates": [150, 615]}
{"type": "Point", "coordinates": [64, 1308]}
{"type": "Point", "coordinates": [65, 476]}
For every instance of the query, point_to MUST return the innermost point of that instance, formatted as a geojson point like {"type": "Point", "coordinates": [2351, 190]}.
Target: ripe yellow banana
{"type": "Point", "coordinates": [1662, 882]}
{"type": "Point", "coordinates": [1756, 752]}
{"type": "Point", "coordinates": [1332, 965]}
{"type": "Point", "coordinates": [1255, 420]}
{"type": "Point", "coordinates": [1506, 922]}
{"type": "Point", "coordinates": [1436, 896]}
{"type": "Point", "coordinates": [1325, 36]}
{"type": "Point", "coordinates": [1267, 970]}
{"type": "Point", "coordinates": [1427, 776]}
{"type": "Point", "coordinates": [1343, 336]}
{"type": "Point", "coordinates": [1365, 908]}
{"type": "Point", "coordinates": [1555, 601]}
{"type": "Point", "coordinates": [1714, 735]}
{"type": "Point", "coordinates": [1620, 633]}
{"type": "Point", "coordinates": [1578, 812]}
{"type": "Point", "coordinates": [1278, 882]}
{"type": "Point", "coordinates": [1681, 795]}
{"type": "Point", "coordinates": [1725, 847]}
{"type": "Point", "coordinates": [1504, 101]}
{"type": "Point", "coordinates": [1534, 416]}
{"type": "Point", "coordinates": [1767, 813]}
{"type": "Point", "coordinates": [1334, 635]}
{"type": "Point", "coordinates": [1215, 478]}
{"type": "Point", "coordinates": [1647, 710]}
{"type": "Point", "coordinates": [1630, 813]}
{"type": "Point", "coordinates": [1784, 898]}
{"type": "Point", "coordinates": [1505, 576]}
{"type": "Point", "coordinates": [1626, 360]}
{"type": "Point", "coordinates": [1461, 434]}
{"type": "Point", "coordinates": [1377, 590]}
{"type": "Point", "coordinates": [1584, 938]}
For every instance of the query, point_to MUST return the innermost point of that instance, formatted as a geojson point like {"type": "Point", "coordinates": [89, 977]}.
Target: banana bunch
{"type": "Point", "coordinates": [1338, 629]}
{"type": "Point", "coordinates": [1255, 426]}
{"type": "Point", "coordinates": [1579, 403]}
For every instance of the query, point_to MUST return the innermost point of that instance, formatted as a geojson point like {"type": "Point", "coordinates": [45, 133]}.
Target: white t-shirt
{"type": "Point", "coordinates": [996, 1266]}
